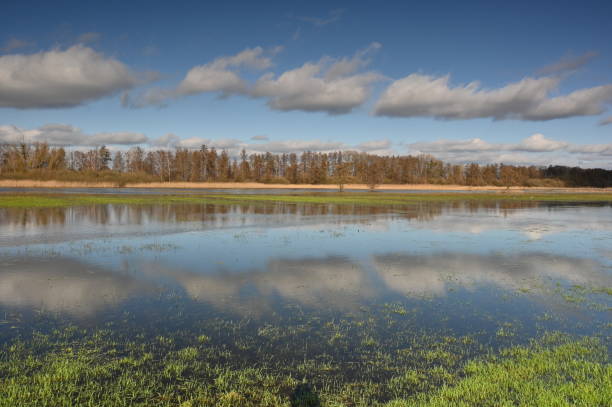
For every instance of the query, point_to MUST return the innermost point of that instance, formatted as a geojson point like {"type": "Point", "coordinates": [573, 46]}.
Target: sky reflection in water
{"type": "Point", "coordinates": [83, 261]}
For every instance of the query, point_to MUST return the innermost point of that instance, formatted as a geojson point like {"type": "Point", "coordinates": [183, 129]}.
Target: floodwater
{"type": "Point", "coordinates": [326, 283]}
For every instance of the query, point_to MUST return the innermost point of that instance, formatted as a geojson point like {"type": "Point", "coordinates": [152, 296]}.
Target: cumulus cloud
{"type": "Point", "coordinates": [533, 150]}
{"type": "Point", "coordinates": [583, 102]}
{"type": "Point", "coordinates": [420, 95]}
{"type": "Point", "coordinates": [60, 78]}
{"type": "Point", "coordinates": [568, 64]}
{"type": "Point", "coordinates": [67, 135]}
{"type": "Point", "coordinates": [219, 76]}
{"type": "Point", "coordinates": [260, 137]}
{"type": "Point", "coordinates": [537, 142]}
{"type": "Point", "coordinates": [331, 85]}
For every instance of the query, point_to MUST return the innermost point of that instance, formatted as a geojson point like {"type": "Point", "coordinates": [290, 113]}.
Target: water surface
{"type": "Point", "coordinates": [317, 291]}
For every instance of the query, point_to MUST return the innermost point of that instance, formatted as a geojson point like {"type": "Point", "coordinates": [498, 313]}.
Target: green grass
{"type": "Point", "coordinates": [366, 199]}
{"type": "Point", "coordinates": [95, 371]}
{"type": "Point", "coordinates": [571, 374]}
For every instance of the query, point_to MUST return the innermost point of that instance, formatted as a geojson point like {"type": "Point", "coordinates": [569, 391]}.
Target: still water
{"type": "Point", "coordinates": [325, 292]}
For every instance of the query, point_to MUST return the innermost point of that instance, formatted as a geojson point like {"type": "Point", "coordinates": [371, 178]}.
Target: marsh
{"type": "Point", "coordinates": [251, 303]}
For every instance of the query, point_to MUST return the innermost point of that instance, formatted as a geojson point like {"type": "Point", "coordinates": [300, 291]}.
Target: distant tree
{"type": "Point", "coordinates": [118, 164]}
{"type": "Point", "coordinates": [103, 159]}
{"type": "Point", "coordinates": [342, 171]}
{"type": "Point", "coordinates": [373, 175]}
{"type": "Point", "coordinates": [473, 175]}
{"type": "Point", "coordinates": [206, 164]}
{"type": "Point", "coordinates": [135, 159]}
{"type": "Point", "coordinates": [211, 164]}
{"type": "Point", "coordinates": [224, 166]}
{"type": "Point", "coordinates": [245, 168]}
{"type": "Point", "coordinates": [292, 170]}
{"type": "Point", "coordinates": [196, 167]}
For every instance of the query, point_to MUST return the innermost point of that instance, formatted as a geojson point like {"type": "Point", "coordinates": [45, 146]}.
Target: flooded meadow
{"type": "Point", "coordinates": [299, 304]}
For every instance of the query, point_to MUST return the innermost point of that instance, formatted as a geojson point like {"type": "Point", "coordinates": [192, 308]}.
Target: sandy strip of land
{"type": "Point", "coordinates": [256, 185]}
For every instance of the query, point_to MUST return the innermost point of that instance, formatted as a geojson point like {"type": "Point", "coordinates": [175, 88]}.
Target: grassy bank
{"type": "Point", "coordinates": [57, 200]}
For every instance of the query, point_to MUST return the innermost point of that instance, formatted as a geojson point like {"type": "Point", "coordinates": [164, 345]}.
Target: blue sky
{"type": "Point", "coordinates": [465, 81]}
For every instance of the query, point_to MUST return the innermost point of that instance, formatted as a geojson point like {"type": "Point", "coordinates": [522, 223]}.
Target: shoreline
{"type": "Point", "coordinates": [257, 185]}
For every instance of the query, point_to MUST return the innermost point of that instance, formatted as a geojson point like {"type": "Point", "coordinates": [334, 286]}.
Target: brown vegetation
{"type": "Point", "coordinates": [39, 162]}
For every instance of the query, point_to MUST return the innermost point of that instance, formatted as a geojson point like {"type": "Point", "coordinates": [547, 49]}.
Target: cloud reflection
{"type": "Point", "coordinates": [318, 282]}
{"type": "Point", "coordinates": [64, 285]}
{"type": "Point", "coordinates": [431, 274]}
{"type": "Point", "coordinates": [335, 283]}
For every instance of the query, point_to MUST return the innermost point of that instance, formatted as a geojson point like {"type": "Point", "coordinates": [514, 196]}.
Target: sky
{"type": "Point", "coordinates": [520, 82]}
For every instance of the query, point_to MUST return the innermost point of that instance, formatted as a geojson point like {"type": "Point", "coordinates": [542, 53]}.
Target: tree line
{"type": "Point", "coordinates": [207, 164]}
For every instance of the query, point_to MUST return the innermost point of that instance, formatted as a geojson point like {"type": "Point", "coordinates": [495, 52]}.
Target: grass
{"type": "Point", "coordinates": [64, 369]}
{"type": "Point", "coordinates": [379, 355]}
{"type": "Point", "coordinates": [366, 199]}
{"type": "Point", "coordinates": [570, 374]}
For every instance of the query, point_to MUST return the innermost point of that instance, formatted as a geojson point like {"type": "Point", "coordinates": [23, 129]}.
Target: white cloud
{"type": "Point", "coordinates": [330, 85]}
{"type": "Point", "coordinates": [67, 135]}
{"type": "Point", "coordinates": [118, 138]}
{"type": "Point", "coordinates": [533, 150]}
{"type": "Point", "coordinates": [568, 64]}
{"type": "Point", "coordinates": [219, 76]}
{"type": "Point", "coordinates": [374, 145]}
{"type": "Point", "coordinates": [378, 147]}
{"type": "Point", "coordinates": [583, 102]}
{"type": "Point", "coordinates": [172, 141]}
{"type": "Point", "coordinates": [537, 142]}
{"type": "Point", "coordinates": [60, 78]}
{"type": "Point", "coordinates": [426, 96]}
{"type": "Point", "coordinates": [603, 149]}
{"type": "Point", "coordinates": [262, 145]}
{"type": "Point", "coordinates": [296, 146]}
{"type": "Point", "coordinates": [472, 145]}
{"type": "Point", "coordinates": [166, 141]}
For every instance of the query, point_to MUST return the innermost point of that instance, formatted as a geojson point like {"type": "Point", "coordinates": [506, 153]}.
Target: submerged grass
{"type": "Point", "coordinates": [377, 355]}
{"type": "Point", "coordinates": [373, 198]}
{"type": "Point", "coordinates": [94, 370]}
